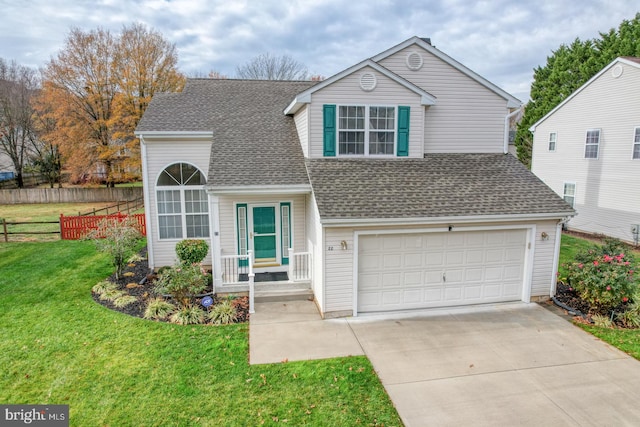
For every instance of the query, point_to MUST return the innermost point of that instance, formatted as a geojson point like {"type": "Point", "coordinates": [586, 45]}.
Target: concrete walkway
{"type": "Point", "coordinates": [512, 364]}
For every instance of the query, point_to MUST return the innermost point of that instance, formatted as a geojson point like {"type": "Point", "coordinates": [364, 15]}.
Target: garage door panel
{"type": "Point", "coordinates": [401, 271]}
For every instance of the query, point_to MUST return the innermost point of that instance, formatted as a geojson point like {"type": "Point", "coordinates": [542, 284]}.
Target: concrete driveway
{"type": "Point", "coordinates": [513, 364]}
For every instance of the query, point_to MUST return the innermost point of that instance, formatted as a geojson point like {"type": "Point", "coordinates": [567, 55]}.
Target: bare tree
{"type": "Point", "coordinates": [269, 67]}
{"type": "Point", "coordinates": [18, 84]}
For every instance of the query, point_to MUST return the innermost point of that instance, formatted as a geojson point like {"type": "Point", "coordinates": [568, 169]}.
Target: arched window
{"type": "Point", "coordinates": [183, 207]}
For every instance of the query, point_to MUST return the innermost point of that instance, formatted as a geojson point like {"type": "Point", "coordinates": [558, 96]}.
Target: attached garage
{"type": "Point", "coordinates": [440, 269]}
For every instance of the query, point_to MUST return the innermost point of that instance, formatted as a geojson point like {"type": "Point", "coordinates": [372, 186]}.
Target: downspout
{"type": "Point", "coordinates": [506, 128]}
{"type": "Point", "coordinates": [147, 202]}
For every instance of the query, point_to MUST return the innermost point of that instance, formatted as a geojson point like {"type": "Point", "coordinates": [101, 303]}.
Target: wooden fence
{"type": "Point", "coordinates": [6, 232]}
{"type": "Point", "coordinates": [68, 195]}
{"type": "Point", "coordinates": [77, 227]}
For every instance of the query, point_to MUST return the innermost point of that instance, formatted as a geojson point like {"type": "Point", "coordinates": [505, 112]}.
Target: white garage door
{"type": "Point", "coordinates": [421, 270]}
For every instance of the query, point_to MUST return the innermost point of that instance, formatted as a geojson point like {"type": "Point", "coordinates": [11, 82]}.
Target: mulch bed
{"type": "Point", "coordinates": [569, 297]}
{"type": "Point", "coordinates": [138, 280]}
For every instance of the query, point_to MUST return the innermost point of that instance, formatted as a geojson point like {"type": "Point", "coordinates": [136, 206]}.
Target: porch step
{"type": "Point", "coordinates": [276, 295]}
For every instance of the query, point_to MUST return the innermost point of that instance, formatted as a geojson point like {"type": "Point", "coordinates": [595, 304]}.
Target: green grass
{"type": "Point", "coordinates": [59, 347]}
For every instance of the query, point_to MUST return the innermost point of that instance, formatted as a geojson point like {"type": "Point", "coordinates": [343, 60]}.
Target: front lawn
{"type": "Point", "coordinates": [59, 347]}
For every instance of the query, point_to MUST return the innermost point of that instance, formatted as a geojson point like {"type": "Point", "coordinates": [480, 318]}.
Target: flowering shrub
{"type": "Point", "coordinates": [604, 280]}
{"type": "Point", "coordinates": [182, 282]}
{"type": "Point", "coordinates": [191, 251]}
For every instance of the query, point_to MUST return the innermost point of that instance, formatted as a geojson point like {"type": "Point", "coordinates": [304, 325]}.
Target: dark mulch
{"type": "Point", "coordinates": [569, 297]}
{"type": "Point", "coordinates": [138, 280]}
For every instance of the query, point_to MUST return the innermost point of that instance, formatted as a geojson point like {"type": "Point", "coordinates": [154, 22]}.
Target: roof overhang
{"type": "Point", "coordinates": [305, 97]}
{"type": "Point", "coordinates": [259, 189]}
{"type": "Point", "coordinates": [512, 101]}
{"type": "Point", "coordinates": [372, 222]}
{"type": "Point", "coordinates": [173, 135]}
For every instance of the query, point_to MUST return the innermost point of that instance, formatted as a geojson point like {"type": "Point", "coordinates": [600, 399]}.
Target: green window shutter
{"type": "Point", "coordinates": [329, 135]}
{"type": "Point", "coordinates": [242, 224]}
{"type": "Point", "coordinates": [403, 131]}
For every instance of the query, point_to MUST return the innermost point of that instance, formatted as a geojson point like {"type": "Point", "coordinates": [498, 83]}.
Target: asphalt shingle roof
{"type": "Point", "coordinates": [438, 185]}
{"type": "Point", "coordinates": [254, 143]}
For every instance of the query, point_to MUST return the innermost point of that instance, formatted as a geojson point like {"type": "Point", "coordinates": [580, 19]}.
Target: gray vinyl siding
{"type": "Point", "coordinates": [228, 233]}
{"type": "Point", "coordinates": [301, 120]}
{"type": "Point", "coordinates": [467, 117]}
{"type": "Point", "coordinates": [159, 156]}
{"type": "Point", "coordinates": [346, 91]}
{"type": "Point", "coordinates": [607, 188]}
{"type": "Point", "coordinates": [543, 276]}
{"type": "Point", "coordinates": [315, 246]}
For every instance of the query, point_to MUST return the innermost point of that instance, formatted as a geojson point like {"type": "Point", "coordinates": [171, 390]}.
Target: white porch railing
{"type": "Point", "coordinates": [299, 266]}
{"type": "Point", "coordinates": [232, 271]}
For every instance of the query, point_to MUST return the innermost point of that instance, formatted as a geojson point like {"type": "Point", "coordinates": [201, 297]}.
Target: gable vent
{"type": "Point", "coordinates": [414, 61]}
{"type": "Point", "coordinates": [368, 82]}
{"type": "Point", "coordinates": [616, 71]}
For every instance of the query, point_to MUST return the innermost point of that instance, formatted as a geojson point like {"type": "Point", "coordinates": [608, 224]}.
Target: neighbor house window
{"type": "Point", "coordinates": [636, 144]}
{"type": "Point", "coordinates": [366, 130]}
{"type": "Point", "coordinates": [183, 207]}
{"type": "Point", "coordinates": [570, 193]}
{"type": "Point", "coordinates": [592, 144]}
{"type": "Point", "coordinates": [552, 141]}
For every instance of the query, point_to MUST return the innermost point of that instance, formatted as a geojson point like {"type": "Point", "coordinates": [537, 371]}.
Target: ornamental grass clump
{"type": "Point", "coordinates": [603, 276]}
{"type": "Point", "coordinates": [191, 251]}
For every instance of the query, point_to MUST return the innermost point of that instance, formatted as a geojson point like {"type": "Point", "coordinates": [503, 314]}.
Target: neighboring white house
{"type": "Point", "coordinates": [384, 187]}
{"type": "Point", "coordinates": [587, 150]}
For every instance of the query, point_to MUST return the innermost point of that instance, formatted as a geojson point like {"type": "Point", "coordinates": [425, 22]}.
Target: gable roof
{"type": "Point", "coordinates": [628, 60]}
{"type": "Point", "coordinates": [436, 187]}
{"type": "Point", "coordinates": [425, 43]}
{"type": "Point", "coordinates": [305, 97]}
{"type": "Point", "coordinates": [253, 145]}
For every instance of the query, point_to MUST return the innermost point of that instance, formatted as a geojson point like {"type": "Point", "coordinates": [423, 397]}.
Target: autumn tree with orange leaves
{"type": "Point", "coordinates": [96, 90]}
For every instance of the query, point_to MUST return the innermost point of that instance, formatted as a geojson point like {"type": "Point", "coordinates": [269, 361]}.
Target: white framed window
{"type": "Point", "coordinates": [636, 143]}
{"type": "Point", "coordinates": [366, 130]}
{"type": "Point", "coordinates": [183, 206]}
{"type": "Point", "coordinates": [569, 193]}
{"type": "Point", "coordinates": [592, 144]}
{"type": "Point", "coordinates": [553, 138]}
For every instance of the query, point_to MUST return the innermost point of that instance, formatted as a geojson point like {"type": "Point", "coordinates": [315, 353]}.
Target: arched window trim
{"type": "Point", "coordinates": [182, 208]}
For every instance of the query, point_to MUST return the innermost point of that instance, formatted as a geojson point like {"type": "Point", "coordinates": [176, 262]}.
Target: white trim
{"type": "Point", "coordinates": [581, 88]}
{"type": "Point", "coordinates": [575, 192]}
{"type": "Point", "coordinates": [216, 245]}
{"type": "Point", "coordinates": [367, 130]}
{"type": "Point", "coordinates": [439, 220]}
{"type": "Point", "coordinates": [160, 134]}
{"type": "Point", "coordinates": [147, 202]}
{"type": "Point", "coordinates": [555, 142]}
{"type": "Point", "coordinates": [507, 119]}
{"type": "Point", "coordinates": [527, 273]}
{"type": "Point", "coordinates": [305, 97]}
{"type": "Point", "coordinates": [512, 101]}
{"type": "Point", "coordinates": [556, 258]}
{"type": "Point", "coordinates": [261, 190]}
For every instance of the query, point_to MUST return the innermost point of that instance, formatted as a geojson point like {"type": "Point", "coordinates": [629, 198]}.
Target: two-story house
{"type": "Point", "coordinates": [384, 187]}
{"type": "Point", "coordinates": [587, 149]}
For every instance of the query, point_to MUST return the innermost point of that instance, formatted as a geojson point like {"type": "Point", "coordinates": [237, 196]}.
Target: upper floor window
{"type": "Point", "coordinates": [569, 193]}
{"type": "Point", "coordinates": [592, 144]}
{"type": "Point", "coordinates": [553, 136]}
{"type": "Point", "coordinates": [636, 143]}
{"type": "Point", "coordinates": [183, 207]}
{"type": "Point", "coordinates": [366, 130]}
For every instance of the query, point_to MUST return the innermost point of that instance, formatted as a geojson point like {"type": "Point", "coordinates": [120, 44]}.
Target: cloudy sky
{"type": "Point", "coordinates": [502, 40]}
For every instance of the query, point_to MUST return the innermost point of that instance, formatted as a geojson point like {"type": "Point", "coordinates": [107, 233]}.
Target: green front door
{"type": "Point", "coordinates": [264, 233]}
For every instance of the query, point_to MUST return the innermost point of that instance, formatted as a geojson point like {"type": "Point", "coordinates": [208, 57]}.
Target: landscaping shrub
{"type": "Point", "coordinates": [158, 309]}
{"type": "Point", "coordinates": [182, 282]}
{"type": "Point", "coordinates": [603, 276]}
{"type": "Point", "coordinates": [118, 238]}
{"type": "Point", "coordinates": [191, 251]}
{"type": "Point", "coordinates": [223, 313]}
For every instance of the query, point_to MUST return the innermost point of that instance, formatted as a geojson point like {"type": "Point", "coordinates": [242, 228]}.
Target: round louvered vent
{"type": "Point", "coordinates": [414, 61]}
{"type": "Point", "coordinates": [368, 82]}
{"type": "Point", "coordinates": [616, 71]}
